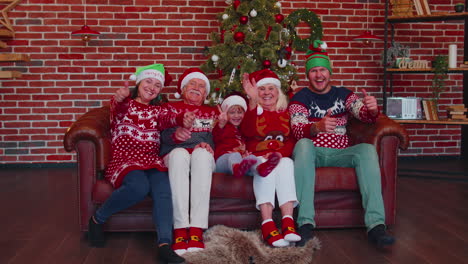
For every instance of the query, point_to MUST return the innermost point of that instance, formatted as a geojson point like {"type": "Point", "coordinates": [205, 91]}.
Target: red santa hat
{"type": "Point", "coordinates": [265, 76]}
{"type": "Point", "coordinates": [189, 74]}
{"type": "Point", "coordinates": [232, 100]}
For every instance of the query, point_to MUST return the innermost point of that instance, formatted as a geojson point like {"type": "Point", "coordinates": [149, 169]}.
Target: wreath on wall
{"type": "Point", "coordinates": [314, 23]}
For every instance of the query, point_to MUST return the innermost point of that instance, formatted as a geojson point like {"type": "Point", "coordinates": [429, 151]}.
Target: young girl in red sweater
{"type": "Point", "coordinates": [231, 154]}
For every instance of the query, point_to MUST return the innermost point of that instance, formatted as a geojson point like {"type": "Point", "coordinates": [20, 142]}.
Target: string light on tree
{"type": "Point", "coordinates": [225, 16]}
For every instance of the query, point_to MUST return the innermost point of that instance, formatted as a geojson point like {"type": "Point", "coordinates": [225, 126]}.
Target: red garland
{"type": "Point", "coordinates": [221, 37]}
{"type": "Point", "coordinates": [268, 33]}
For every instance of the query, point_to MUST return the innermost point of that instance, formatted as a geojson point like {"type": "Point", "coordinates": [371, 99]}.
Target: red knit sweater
{"type": "Point", "coordinates": [135, 131]}
{"type": "Point", "coordinates": [268, 132]}
{"type": "Point", "coordinates": [227, 139]}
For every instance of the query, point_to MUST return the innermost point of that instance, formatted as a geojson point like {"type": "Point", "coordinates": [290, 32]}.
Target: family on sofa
{"type": "Point", "coordinates": [170, 152]}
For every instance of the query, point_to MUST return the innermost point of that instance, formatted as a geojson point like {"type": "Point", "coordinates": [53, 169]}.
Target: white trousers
{"type": "Point", "coordinates": [190, 178]}
{"type": "Point", "coordinates": [279, 181]}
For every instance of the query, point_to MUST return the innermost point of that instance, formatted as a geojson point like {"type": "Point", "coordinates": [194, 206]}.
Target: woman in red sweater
{"type": "Point", "coordinates": [136, 170]}
{"type": "Point", "coordinates": [268, 136]}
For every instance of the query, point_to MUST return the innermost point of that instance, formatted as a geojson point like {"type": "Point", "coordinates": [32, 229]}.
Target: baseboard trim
{"type": "Point", "coordinates": [429, 158]}
{"type": "Point", "coordinates": [433, 178]}
{"type": "Point", "coordinates": [37, 165]}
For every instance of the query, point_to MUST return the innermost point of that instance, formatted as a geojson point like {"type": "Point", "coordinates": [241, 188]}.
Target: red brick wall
{"type": "Point", "coordinates": [66, 77]}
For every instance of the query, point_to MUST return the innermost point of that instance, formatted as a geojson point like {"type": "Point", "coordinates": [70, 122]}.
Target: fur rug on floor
{"type": "Point", "coordinates": [225, 245]}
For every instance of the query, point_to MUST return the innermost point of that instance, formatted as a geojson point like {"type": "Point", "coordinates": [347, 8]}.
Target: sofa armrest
{"type": "Point", "coordinates": [360, 132]}
{"type": "Point", "coordinates": [93, 126]}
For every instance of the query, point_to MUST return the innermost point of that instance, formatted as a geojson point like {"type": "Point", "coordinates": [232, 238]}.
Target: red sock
{"type": "Point", "coordinates": [272, 236]}
{"type": "Point", "coordinates": [288, 230]}
{"type": "Point", "coordinates": [196, 239]}
{"type": "Point", "coordinates": [180, 240]}
{"type": "Point", "coordinates": [240, 169]}
{"type": "Point", "coordinates": [269, 165]}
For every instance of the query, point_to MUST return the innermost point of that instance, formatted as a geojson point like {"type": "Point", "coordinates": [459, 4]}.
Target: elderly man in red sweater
{"type": "Point", "coordinates": [188, 154]}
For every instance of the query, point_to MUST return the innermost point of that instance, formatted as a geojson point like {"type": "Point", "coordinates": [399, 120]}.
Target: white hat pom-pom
{"type": "Point", "coordinates": [259, 110]}
{"type": "Point", "coordinates": [177, 95]}
{"type": "Point", "coordinates": [133, 77]}
{"type": "Point", "coordinates": [324, 46]}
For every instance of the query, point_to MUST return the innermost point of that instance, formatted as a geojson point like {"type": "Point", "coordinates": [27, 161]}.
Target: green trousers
{"type": "Point", "coordinates": [362, 157]}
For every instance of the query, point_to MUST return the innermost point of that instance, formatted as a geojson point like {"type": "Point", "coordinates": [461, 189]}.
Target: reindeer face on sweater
{"type": "Point", "coordinates": [272, 135]}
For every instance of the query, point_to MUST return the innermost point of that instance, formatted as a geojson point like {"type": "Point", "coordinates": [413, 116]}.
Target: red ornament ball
{"type": "Point", "coordinates": [266, 64]}
{"type": "Point", "coordinates": [239, 36]}
{"type": "Point", "coordinates": [279, 18]}
{"type": "Point", "coordinates": [236, 4]}
{"type": "Point", "coordinates": [243, 20]}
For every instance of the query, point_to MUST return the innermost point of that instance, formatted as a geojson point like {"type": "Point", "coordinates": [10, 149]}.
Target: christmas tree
{"type": "Point", "coordinates": [253, 35]}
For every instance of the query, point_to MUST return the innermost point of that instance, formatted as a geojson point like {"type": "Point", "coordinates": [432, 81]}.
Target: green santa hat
{"type": "Point", "coordinates": [156, 71]}
{"type": "Point", "coordinates": [317, 55]}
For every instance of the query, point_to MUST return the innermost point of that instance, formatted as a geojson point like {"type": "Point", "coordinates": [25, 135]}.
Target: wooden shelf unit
{"type": "Point", "coordinates": [432, 122]}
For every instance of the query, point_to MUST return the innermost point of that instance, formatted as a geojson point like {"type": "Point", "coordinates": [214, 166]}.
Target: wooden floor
{"type": "Point", "coordinates": [38, 222]}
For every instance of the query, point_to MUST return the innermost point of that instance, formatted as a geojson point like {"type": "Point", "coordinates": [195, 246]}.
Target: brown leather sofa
{"type": "Point", "coordinates": [337, 199]}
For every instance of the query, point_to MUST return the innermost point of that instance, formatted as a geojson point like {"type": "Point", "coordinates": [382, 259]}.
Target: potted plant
{"type": "Point", "coordinates": [440, 69]}
{"type": "Point", "coordinates": [396, 53]}
{"type": "Point", "coordinates": [459, 7]}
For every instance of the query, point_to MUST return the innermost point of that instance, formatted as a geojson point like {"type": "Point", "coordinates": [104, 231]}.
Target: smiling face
{"type": "Point", "coordinates": [148, 89]}
{"type": "Point", "coordinates": [194, 92]}
{"type": "Point", "coordinates": [319, 80]}
{"type": "Point", "coordinates": [268, 96]}
{"type": "Point", "coordinates": [235, 114]}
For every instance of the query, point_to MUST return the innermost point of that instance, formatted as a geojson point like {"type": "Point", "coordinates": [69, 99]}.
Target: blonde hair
{"type": "Point", "coordinates": [282, 103]}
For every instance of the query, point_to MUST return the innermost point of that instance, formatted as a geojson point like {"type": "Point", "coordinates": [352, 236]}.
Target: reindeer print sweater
{"type": "Point", "coordinates": [307, 107]}
{"type": "Point", "coordinates": [201, 128]}
{"type": "Point", "coordinates": [135, 131]}
{"type": "Point", "coordinates": [268, 132]}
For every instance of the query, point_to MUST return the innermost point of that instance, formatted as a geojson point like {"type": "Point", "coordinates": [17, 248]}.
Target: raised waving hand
{"type": "Point", "coordinates": [122, 93]}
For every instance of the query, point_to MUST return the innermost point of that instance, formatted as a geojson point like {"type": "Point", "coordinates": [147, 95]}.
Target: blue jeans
{"type": "Point", "coordinates": [135, 187]}
{"type": "Point", "coordinates": [224, 162]}
{"type": "Point", "coordinates": [362, 157]}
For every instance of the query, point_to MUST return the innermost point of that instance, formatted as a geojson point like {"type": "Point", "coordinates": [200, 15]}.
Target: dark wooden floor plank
{"type": "Point", "coordinates": [114, 252]}
{"type": "Point", "coordinates": [329, 252]}
{"type": "Point", "coordinates": [142, 249]}
{"type": "Point", "coordinates": [41, 225]}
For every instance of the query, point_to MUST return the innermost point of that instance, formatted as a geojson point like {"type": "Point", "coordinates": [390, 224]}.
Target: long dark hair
{"type": "Point", "coordinates": [160, 99]}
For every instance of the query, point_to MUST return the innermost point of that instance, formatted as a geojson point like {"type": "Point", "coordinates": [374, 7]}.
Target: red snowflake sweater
{"type": "Point", "coordinates": [268, 132]}
{"type": "Point", "coordinates": [307, 107]}
{"type": "Point", "coordinates": [227, 139]}
{"type": "Point", "coordinates": [135, 132]}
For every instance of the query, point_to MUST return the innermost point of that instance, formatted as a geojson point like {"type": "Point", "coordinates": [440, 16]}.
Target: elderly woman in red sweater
{"type": "Point", "coordinates": [268, 136]}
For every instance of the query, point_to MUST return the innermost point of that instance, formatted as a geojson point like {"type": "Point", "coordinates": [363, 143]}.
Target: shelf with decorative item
{"type": "Point", "coordinates": [433, 122]}
{"type": "Point", "coordinates": [426, 70]}
{"type": "Point", "coordinates": [425, 18]}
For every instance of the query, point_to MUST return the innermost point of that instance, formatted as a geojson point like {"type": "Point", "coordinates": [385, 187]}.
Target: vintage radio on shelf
{"type": "Point", "coordinates": [404, 107]}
